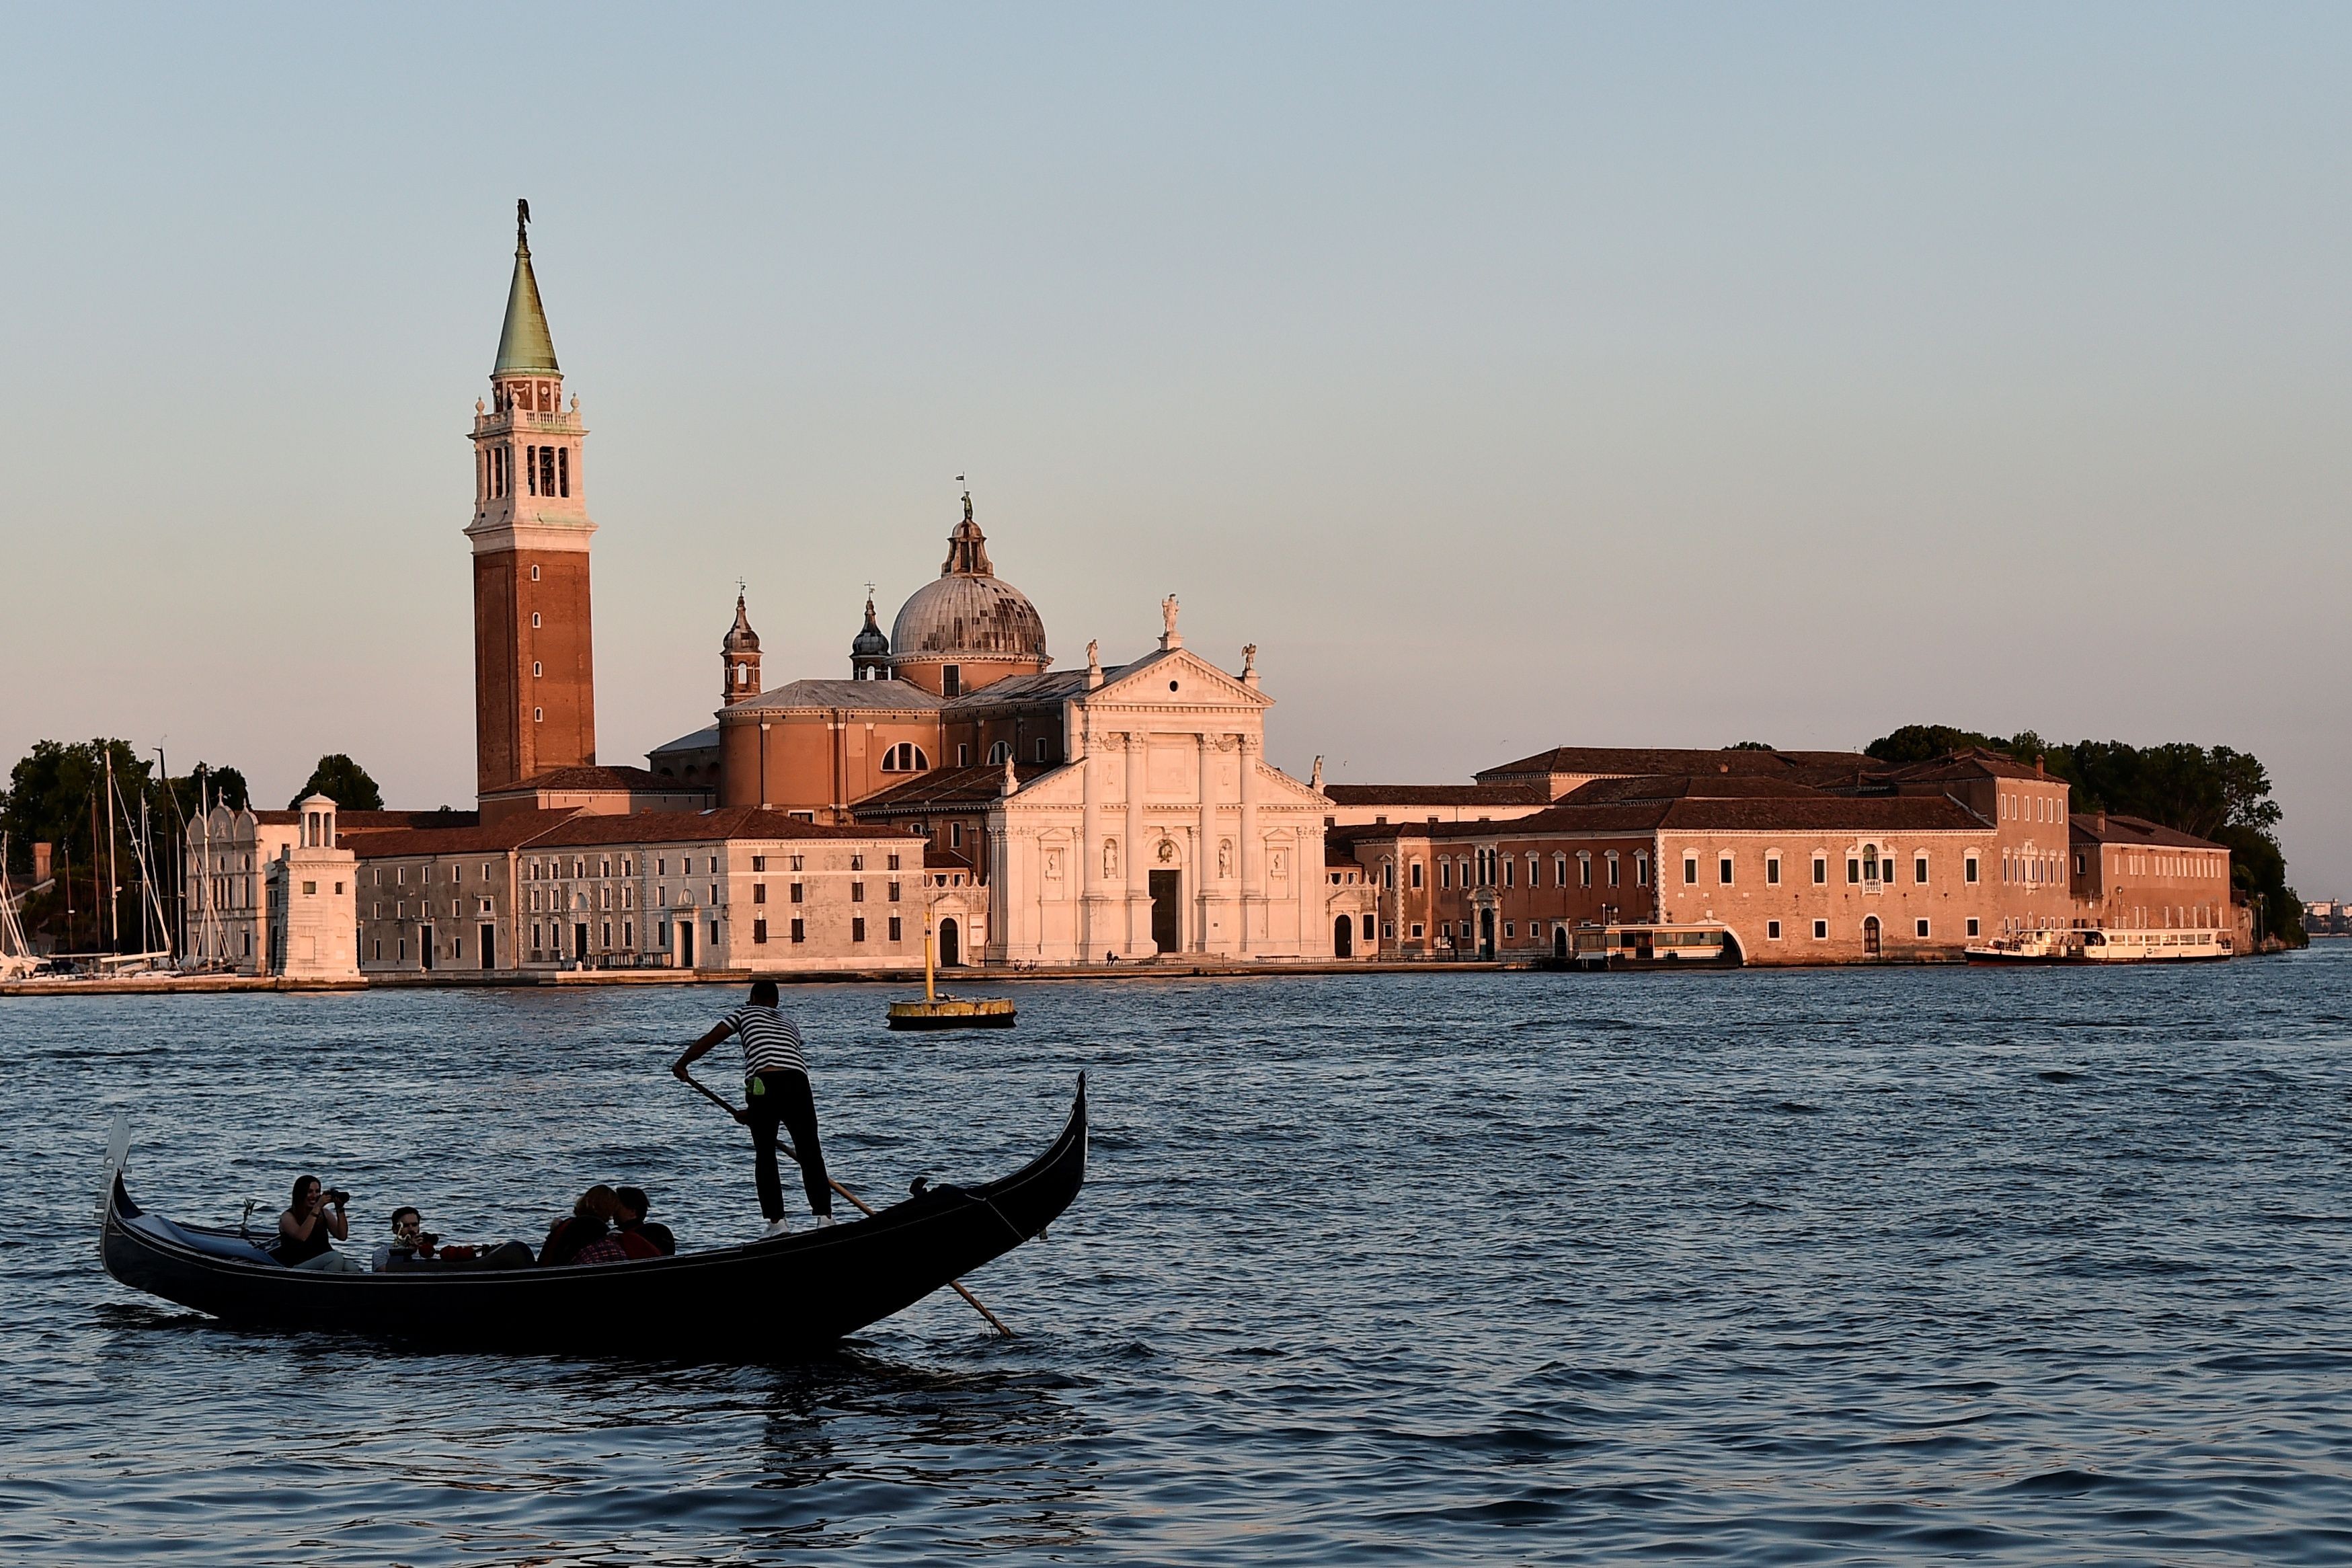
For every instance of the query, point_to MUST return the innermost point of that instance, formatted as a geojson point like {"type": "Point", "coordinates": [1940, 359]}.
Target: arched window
{"type": "Point", "coordinates": [905, 759]}
{"type": "Point", "coordinates": [1000, 753]}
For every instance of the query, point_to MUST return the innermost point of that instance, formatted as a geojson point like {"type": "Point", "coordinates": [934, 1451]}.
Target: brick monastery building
{"type": "Point", "coordinates": [1109, 814]}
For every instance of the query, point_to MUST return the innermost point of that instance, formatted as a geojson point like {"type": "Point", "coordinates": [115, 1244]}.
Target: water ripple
{"type": "Point", "coordinates": [1749, 1268]}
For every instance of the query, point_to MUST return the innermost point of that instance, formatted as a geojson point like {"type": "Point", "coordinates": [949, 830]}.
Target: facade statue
{"type": "Point", "coordinates": [1224, 858]}
{"type": "Point", "coordinates": [1168, 618]}
{"type": "Point", "coordinates": [1111, 860]}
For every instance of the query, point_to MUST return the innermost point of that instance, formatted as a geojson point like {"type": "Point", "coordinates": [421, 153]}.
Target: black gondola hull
{"type": "Point", "coordinates": [773, 1297]}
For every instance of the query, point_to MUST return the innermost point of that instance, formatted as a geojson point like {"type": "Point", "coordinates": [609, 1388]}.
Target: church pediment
{"type": "Point", "coordinates": [1198, 683]}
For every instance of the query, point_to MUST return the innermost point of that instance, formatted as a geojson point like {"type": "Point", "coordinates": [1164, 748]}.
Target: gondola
{"type": "Point", "coordinates": [765, 1299]}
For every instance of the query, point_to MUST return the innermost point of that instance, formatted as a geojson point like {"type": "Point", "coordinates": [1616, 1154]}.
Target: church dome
{"type": "Point", "coordinates": [969, 612]}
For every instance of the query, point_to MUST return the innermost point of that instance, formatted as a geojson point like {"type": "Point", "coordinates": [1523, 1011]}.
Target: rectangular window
{"type": "Point", "coordinates": [1919, 870]}
{"type": "Point", "coordinates": [1923, 928]}
{"type": "Point", "coordinates": [800, 931]}
{"type": "Point", "coordinates": [1445, 873]}
{"type": "Point", "coordinates": [758, 930]}
{"type": "Point", "coordinates": [1417, 927]}
{"type": "Point", "coordinates": [1820, 870]}
{"type": "Point", "coordinates": [895, 928]}
{"type": "Point", "coordinates": [1416, 874]}
{"type": "Point", "coordinates": [759, 862]}
{"type": "Point", "coordinates": [963, 756]}
{"type": "Point", "coordinates": [2078, 865]}
{"type": "Point", "coordinates": [1507, 871]}
{"type": "Point", "coordinates": [1584, 870]}
{"type": "Point", "coordinates": [857, 892]}
{"type": "Point", "coordinates": [1723, 870]}
{"type": "Point", "coordinates": [955, 834]}
{"type": "Point", "coordinates": [1969, 874]}
{"type": "Point", "coordinates": [1690, 870]}
{"type": "Point", "coordinates": [758, 892]}
{"type": "Point", "coordinates": [1820, 930]}
{"type": "Point", "coordinates": [894, 865]}
{"type": "Point", "coordinates": [1771, 870]}
{"type": "Point", "coordinates": [1641, 871]}
{"type": "Point", "coordinates": [563, 470]}
{"type": "Point", "coordinates": [1511, 928]}
{"type": "Point", "coordinates": [951, 680]}
{"type": "Point", "coordinates": [796, 893]}
{"type": "Point", "coordinates": [1853, 869]}
{"type": "Point", "coordinates": [1041, 747]}
{"type": "Point", "coordinates": [1771, 931]}
{"type": "Point", "coordinates": [1972, 925]}
{"type": "Point", "coordinates": [857, 929]}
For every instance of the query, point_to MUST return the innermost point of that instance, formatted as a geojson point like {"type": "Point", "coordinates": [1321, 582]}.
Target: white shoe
{"type": "Point", "coordinates": [778, 1226]}
{"type": "Point", "coordinates": [823, 1220]}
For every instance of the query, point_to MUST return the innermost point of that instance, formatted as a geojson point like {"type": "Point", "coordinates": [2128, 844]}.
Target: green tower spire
{"type": "Point", "coordinates": [524, 346]}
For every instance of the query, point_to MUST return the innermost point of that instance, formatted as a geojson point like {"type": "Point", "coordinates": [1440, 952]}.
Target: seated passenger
{"type": "Point", "coordinates": [411, 1243]}
{"type": "Point", "coordinates": [591, 1223]}
{"type": "Point", "coordinates": [306, 1233]}
{"type": "Point", "coordinates": [642, 1239]}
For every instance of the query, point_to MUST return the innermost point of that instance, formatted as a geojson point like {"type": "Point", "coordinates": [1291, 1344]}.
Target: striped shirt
{"type": "Point", "coordinates": [771, 1044]}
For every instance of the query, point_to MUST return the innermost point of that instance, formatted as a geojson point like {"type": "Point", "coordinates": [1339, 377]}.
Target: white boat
{"type": "Point", "coordinates": [2155, 946]}
{"type": "Point", "coordinates": [2026, 947]}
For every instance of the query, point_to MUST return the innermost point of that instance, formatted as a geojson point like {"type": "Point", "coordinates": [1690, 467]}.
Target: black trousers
{"type": "Point", "coordinates": [783, 1097]}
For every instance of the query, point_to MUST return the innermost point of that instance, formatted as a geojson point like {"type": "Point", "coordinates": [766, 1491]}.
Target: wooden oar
{"type": "Point", "coordinates": [863, 1207]}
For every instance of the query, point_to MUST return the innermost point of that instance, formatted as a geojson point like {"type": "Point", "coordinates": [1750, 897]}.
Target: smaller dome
{"type": "Point", "coordinates": [740, 637]}
{"type": "Point", "coordinates": [869, 643]}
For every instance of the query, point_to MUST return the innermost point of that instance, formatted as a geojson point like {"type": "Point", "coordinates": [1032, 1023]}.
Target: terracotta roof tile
{"type": "Point", "coordinates": [945, 789]}
{"type": "Point", "coordinates": [1408, 795]}
{"type": "Point", "coordinates": [2115, 828]}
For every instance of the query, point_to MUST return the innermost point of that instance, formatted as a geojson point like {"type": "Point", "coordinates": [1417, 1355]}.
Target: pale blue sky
{"type": "Point", "coordinates": [1512, 376]}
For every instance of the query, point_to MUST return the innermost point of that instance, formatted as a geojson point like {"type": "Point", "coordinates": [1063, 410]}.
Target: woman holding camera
{"type": "Point", "coordinates": [307, 1232]}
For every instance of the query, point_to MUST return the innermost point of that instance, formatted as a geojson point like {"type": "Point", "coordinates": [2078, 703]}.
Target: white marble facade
{"type": "Point", "coordinates": [1167, 833]}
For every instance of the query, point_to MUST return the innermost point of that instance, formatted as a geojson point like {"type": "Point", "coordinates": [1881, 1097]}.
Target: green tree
{"type": "Point", "coordinates": [1925, 743]}
{"type": "Point", "coordinates": [1750, 746]}
{"type": "Point", "coordinates": [342, 781]}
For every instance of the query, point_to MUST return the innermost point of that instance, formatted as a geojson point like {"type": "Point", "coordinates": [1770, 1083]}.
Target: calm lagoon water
{"type": "Point", "coordinates": [2037, 1266]}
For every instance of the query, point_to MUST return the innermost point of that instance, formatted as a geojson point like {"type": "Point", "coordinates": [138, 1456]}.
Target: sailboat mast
{"type": "Point", "coordinates": [113, 870]}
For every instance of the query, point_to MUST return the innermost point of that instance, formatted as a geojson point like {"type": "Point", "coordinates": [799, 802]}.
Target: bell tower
{"type": "Point", "coordinates": [534, 681]}
{"type": "Point", "coordinates": [738, 657]}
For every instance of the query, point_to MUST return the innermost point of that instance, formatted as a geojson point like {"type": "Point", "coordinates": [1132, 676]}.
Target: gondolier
{"type": "Point", "coordinates": [776, 1090]}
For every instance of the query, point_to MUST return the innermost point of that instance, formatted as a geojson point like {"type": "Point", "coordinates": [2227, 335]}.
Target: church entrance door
{"type": "Point", "coordinates": [1167, 910]}
{"type": "Point", "coordinates": [1343, 936]}
{"type": "Point", "coordinates": [1486, 933]}
{"type": "Point", "coordinates": [950, 945]}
